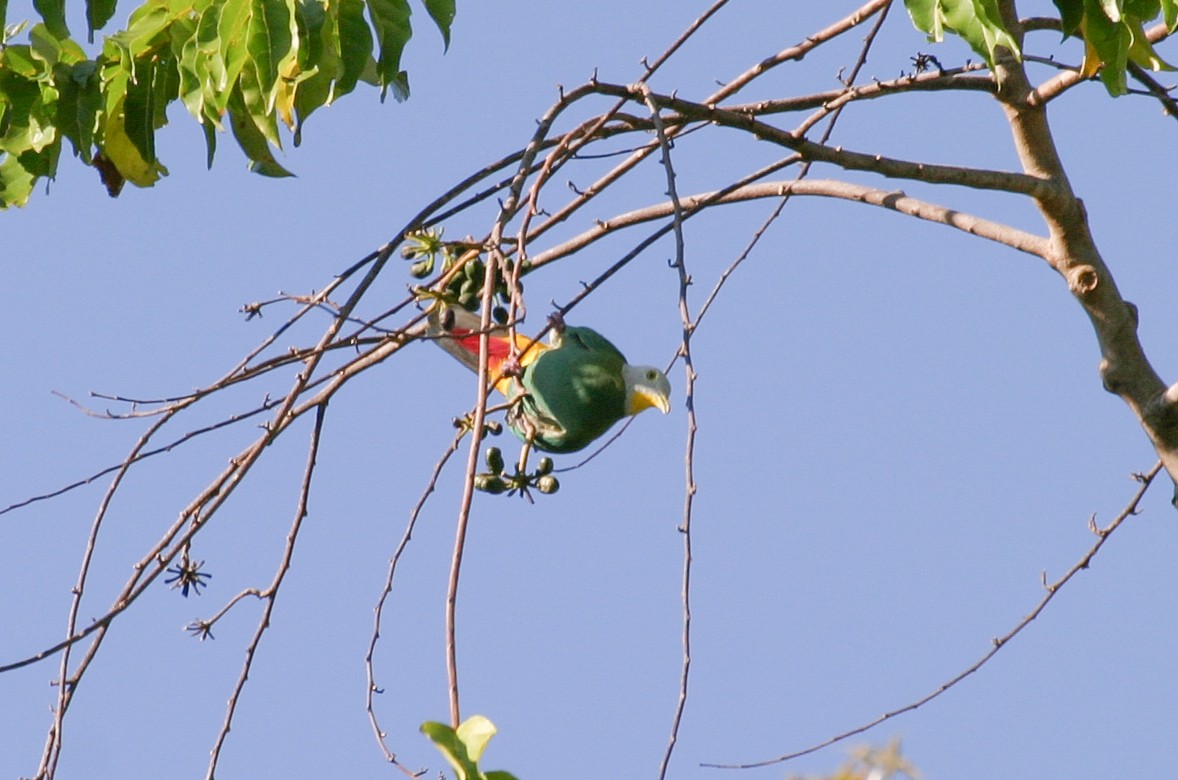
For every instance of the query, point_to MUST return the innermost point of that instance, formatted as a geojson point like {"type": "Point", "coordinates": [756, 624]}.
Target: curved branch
{"type": "Point", "coordinates": [1124, 368]}
{"type": "Point", "coordinates": [976, 178]}
{"type": "Point", "coordinates": [798, 51]}
{"type": "Point", "coordinates": [830, 188]}
{"type": "Point", "coordinates": [943, 81]}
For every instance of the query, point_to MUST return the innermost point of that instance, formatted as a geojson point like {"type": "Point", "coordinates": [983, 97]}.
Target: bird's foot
{"type": "Point", "coordinates": [510, 367]}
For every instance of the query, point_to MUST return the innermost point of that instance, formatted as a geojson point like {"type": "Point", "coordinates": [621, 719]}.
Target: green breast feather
{"type": "Point", "coordinates": [575, 392]}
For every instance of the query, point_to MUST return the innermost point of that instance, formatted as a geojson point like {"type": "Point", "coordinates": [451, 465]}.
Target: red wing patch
{"type": "Point", "coordinates": [498, 348]}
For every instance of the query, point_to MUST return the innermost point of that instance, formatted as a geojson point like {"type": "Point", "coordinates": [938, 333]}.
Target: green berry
{"type": "Point", "coordinates": [490, 483]}
{"type": "Point", "coordinates": [494, 460]}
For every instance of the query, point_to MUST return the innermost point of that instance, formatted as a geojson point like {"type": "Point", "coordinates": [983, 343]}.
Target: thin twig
{"type": "Point", "coordinates": [680, 266]}
{"type": "Point", "coordinates": [378, 610]}
{"type": "Point", "coordinates": [472, 460]}
{"type": "Point", "coordinates": [895, 168]}
{"type": "Point", "coordinates": [270, 594]}
{"type": "Point", "coordinates": [1052, 589]}
{"type": "Point", "coordinates": [833, 110]}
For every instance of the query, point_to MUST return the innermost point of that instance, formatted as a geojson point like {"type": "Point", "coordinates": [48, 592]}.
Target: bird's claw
{"type": "Point", "coordinates": [510, 367]}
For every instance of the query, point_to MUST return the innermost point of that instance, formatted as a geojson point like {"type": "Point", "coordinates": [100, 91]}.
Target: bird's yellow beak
{"type": "Point", "coordinates": [646, 388]}
{"type": "Point", "coordinates": [647, 398]}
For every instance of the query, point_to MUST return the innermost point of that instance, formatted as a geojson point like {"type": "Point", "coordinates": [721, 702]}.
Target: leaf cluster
{"type": "Point", "coordinates": [1114, 35]}
{"type": "Point", "coordinates": [248, 64]}
{"type": "Point", "coordinates": [1113, 31]}
{"type": "Point", "coordinates": [463, 747]}
{"type": "Point", "coordinates": [426, 251]}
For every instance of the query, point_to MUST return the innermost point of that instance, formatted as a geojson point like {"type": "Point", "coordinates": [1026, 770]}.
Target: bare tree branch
{"type": "Point", "coordinates": [893, 200]}
{"type": "Point", "coordinates": [270, 594]}
{"type": "Point", "coordinates": [1102, 535]}
{"type": "Point", "coordinates": [1124, 368]}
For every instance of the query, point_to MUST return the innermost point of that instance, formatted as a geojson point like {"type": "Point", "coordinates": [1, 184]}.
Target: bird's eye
{"type": "Point", "coordinates": [651, 375]}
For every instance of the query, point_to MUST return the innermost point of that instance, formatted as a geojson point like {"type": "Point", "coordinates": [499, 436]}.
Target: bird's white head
{"type": "Point", "coordinates": [646, 387]}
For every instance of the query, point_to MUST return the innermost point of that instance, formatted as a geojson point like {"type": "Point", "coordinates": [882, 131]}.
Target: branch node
{"type": "Point", "coordinates": [1170, 397]}
{"type": "Point", "coordinates": [1134, 314]}
{"type": "Point", "coordinates": [1083, 280]}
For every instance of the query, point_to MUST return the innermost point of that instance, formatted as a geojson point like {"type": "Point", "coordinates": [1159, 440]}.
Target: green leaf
{"type": "Point", "coordinates": [1071, 13]}
{"type": "Point", "coordinates": [98, 13]}
{"type": "Point", "coordinates": [452, 749]}
{"type": "Point", "coordinates": [251, 138]}
{"type": "Point", "coordinates": [1141, 51]}
{"type": "Point", "coordinates": [464, 747]}
{"type": "Point", "coordinates": [119, 149]}
{"type": "Point", "coordinates": [234, 51]}
{"type": "Point", "coordinates": [268, 41]}
{"type": "Point", "coordinates": [310, 18]}
{"type": "Point", "coordinates": [319, 60]}
{"type": "Point", "coordinates": [165, 88]}
{"type": "Point", "coordinates": [45, 45]}
{"type": "Point", "coordinates": [255, 101]}
{"type": "Point", "coordinates": [254, 61]}
{"type": "Point", "coordinates": [355, 45]}
{"type": "Point", "coordinates": [78, 105]}
{"type": "Point", "coordinates": [1170, 14]}
{"type": "Point", "coordinates": [978, 22]}
{"type": "Point", "coordinates": [1142, 9]}
{"type": "Point", "coordinates": [475, 732]}
{"type": "Point", "coordinates": [16, 183]}
{"type": "Point", "coordinates": [148, 32]}
{"type": "Point", "coordinates": [53, 12]}
{"type": "Point", "coordinates": [442, 12]}
{"type": "Point", "coordinates": [211, 59]}
{"type": "Point", "coordinates": [210, 132]}
{"type": "Point", "coordinates": [390, 18]}
{"type": "Point", "coordinates": [41, 163]}
{"type": "Point", "coordinates": [138, 111]}
{"type": "Point", "coordinates": [927, 17]}
{"type": "Point", "coordinates": [1112, 9]}
{"type": "Point", "coordinates": [1106, 47]}
{"type": "Point", "coordinates": [310, 60]}
{"type": "Point", "coordinates": [24, 122]}
{"type": "Point", "coordinates": [20, 61]}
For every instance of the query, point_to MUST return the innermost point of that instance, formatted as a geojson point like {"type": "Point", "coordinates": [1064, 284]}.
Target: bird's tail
{"type": "Point", "coordinates": [457, 330]}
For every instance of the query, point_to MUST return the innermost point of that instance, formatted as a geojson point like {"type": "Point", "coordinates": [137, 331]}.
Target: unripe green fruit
{"type": "Point", "coordinates": [490, 483]}
{"type": "Point", "coordinates": [494, 460]}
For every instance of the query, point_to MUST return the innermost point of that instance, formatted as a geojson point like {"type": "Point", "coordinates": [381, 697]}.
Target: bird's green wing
{"type": "Point", "coordinates": [576, 391]}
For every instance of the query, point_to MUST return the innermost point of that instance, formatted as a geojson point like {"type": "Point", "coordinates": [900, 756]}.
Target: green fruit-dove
{"type": "Point", "coordinates": [569, 392]}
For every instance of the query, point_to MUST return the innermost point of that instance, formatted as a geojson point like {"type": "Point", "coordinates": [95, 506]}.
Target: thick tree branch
{"type": "Point", "coordinates": [1124, 368]}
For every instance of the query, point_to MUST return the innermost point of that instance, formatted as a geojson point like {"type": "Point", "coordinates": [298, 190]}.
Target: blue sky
{"type": "Point", "coordinates": [900, 428]}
